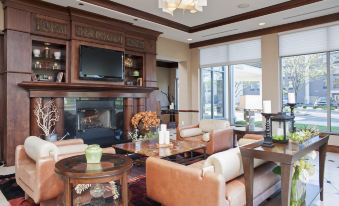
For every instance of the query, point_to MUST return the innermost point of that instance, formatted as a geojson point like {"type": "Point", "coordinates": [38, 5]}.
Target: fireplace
{"type": "Point", "coordinates": [95, 120]}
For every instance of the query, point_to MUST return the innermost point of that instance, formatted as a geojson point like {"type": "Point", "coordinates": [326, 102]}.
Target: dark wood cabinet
{"type": "Point", "coordinates": [38, 25]}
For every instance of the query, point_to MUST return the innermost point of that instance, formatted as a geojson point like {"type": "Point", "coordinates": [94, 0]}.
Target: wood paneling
{"type": "Point", "coordinates": [276, 29]}
{"type": "Point", "coordinates": [128, 114]}
{"type": "Point", "coordinates": [150, 79]}
{"type": "Point", "coordinates": [38, 20]}
{"type": "Point", "coordinates": [34, 128]}
{"type": "Point", "coordinates": [18, 51]}
{"type": "Point", "coordinates": [17, 115]}
{"type": "Point", "coordinates": [59, 126]}
{"type": "Point", "coordinates": [48, 26]}
{"type": "Point", "coordinates": [140, 105]}
{"type": "Point", "coordinates": [18, 20]}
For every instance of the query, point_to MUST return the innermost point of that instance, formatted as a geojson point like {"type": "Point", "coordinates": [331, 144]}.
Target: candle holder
{"type": "Point", "coordinates": [292, 106]}
{"type": "Point", "coordinates": [268, 137]}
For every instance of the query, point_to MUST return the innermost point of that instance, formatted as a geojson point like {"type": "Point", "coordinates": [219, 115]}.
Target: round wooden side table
{"type": "Point", "coordinates": [75, 170]}
{"type": "Point", "coordinates": [240, 132]}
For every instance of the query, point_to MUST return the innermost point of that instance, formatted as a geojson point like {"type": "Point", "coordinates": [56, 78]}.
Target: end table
{"type": "Point", "coordinates": [286, 155]}
{"type": "Point", "coordinates": [75, 170]}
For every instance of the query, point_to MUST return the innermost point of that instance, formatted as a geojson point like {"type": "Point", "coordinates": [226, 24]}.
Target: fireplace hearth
{"type": "Point", "coordinates": [95, 120]}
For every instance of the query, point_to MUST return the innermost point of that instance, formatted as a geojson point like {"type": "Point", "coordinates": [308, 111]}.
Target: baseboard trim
{"type": "Point", "coordinates": [333, 148]}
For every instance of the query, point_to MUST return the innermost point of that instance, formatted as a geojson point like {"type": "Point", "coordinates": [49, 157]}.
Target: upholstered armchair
{"type": "Point", "coordinates": [217, 133]}
{"type": "Point", "coordinates": [34, 165]}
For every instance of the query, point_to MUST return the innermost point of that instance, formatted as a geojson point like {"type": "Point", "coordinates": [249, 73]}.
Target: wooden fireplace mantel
{"type": "Point", "coordinates": [53, 89]}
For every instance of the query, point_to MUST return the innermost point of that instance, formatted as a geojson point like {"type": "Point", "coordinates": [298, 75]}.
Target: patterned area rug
{"type": "Point", "coordinates": [15, 195]}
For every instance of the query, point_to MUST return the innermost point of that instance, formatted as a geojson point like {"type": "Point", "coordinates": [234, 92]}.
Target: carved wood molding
{"type": "Point", "coordinates": [98, 34]}
{"type": "Point", "coordinates": [49, 26]}
{"type": "Point", "coordinates": [135, 43]}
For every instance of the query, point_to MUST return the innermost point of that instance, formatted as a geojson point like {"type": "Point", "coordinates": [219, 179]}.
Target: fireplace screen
{"type": "Point", "coordinates": [96, 120]}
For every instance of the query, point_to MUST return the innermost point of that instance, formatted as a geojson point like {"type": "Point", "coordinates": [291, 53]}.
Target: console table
{"type": "Point", "coordinates": [74, 170]}
{"type": "Point", "coordinates": [286, 155]}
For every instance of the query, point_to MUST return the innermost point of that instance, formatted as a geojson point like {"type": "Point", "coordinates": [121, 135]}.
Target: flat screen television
{"type": "Point", "coordinates": [101, 64]}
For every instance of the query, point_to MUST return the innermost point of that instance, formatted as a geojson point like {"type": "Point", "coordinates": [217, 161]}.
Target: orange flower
{"type": "Point", "coordinates": [148, 120]}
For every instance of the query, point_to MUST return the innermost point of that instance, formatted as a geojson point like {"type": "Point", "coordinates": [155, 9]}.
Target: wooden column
{"type": "Point", "coordinates": [140, 105]}
{"type": "Point", "coordinates": [59, 126]}
{"type": "Point", "coordinates": [128, 114]}
{"type": "Point", "coordinates": [18, 49]}
{"type": "Point", "coordinates": [34, 129]}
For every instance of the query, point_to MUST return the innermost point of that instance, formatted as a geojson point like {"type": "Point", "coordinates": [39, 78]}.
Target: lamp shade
{"type": "Point", "coordinates": [252, 102]}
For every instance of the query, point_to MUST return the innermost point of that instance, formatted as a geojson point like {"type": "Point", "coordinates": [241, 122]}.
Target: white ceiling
{"type": "Point", "coordinates": [216, 9]}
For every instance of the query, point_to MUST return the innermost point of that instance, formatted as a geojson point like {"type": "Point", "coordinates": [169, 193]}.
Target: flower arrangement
{"type": "Point", "coordinates": [303, 134]}
{"type": "Point", "coordinates": [46, 116]}
{"type": "Point", "coordinates": [302, 169]}
{"type": "Point", "coordinates": [143, 122]}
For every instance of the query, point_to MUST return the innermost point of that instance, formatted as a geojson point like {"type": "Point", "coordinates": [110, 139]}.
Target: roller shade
{"type": "Point", "coordinates": [310, 41]}
{"type": "Point", "coordinates": [230, 53]}
{"type": "Point", "coordinates": [245, 51]}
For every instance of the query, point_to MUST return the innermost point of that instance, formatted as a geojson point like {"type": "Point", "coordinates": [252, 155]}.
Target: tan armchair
{"type": "Point", "coordinates": [217, 133]}
{"type": "Point", "coordinates": [35, 170]}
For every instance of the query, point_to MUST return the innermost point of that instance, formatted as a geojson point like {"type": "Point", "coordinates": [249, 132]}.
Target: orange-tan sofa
{"type": "Point", "coordinates": [34, 166]}
{"type": "Point", "coordinates": [218, 134]}
{"type": "Point", "coordinates": [216, 181]}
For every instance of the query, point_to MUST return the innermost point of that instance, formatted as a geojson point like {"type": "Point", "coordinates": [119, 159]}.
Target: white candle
{"type": "Point", "coordinates": [291, 98]}
{"type": "Point", "coordinates": [167, 137]}
{"type": "Point", "coordinates": [163, 127]}
{"type": "Point", "coordinates": [266, 105]}
{"type": "Point", "coordinates": [172, 105]}
{"type": "Point", "coordinates": [280, 132]}
{"type": "Point", "coordinates": [161, 137]}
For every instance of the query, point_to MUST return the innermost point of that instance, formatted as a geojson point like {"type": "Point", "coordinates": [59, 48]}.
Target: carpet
{"type": "Point", "coordinates": [15, 195]}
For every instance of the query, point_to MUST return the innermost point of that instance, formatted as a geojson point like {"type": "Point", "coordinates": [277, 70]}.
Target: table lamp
{"type": "Point", "coordinates": [250, 103]}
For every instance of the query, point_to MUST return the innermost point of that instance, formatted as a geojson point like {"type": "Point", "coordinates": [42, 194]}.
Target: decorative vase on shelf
{"type": "Point", "coordinates": [93, 154]}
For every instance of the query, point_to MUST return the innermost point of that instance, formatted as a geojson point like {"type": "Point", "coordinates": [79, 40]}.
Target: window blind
{"type": "Point", "coordinates": [310, 41]}
{"type": "Point", "coordinates": [245, 51]}
{"type": "Point", "coordinates": [213, 56]}
{"type": "Point", "coordinates": [230, 53]}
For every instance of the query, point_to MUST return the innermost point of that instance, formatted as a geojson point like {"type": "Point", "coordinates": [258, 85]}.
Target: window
{"type": "Point", "coordinates": [310, 69]}
{"type": "Point", "coordinates": [213, 93]}
{"type": "Point", "coordinates": [246, 80]}
{"type": "Point", "coordinates": [305, 75]}
{"type": "Point", "coordinates": [234, 63]}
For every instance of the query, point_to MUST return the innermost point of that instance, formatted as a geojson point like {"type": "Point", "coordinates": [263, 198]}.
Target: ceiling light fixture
{"type": "Point", "coordinates": [193, 6]}
{"type": "Point", "coordinates": [262, 24]}
{"type": "Point", "coordinates": [189, 39]}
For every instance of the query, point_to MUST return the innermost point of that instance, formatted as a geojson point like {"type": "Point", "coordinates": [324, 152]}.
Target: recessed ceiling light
{"type": "Point", "coordinates": [189, 39]}
{"type": "Point", "coordinates": [262, 23]}
{"type": "Point", "coordinates": [243, 6]}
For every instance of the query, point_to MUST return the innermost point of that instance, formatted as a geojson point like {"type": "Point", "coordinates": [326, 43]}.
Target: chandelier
{"type": "Point", "coordinates": [193, 6]}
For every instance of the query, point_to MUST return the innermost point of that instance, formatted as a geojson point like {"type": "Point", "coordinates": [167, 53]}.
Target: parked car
{"type": "Point", "coordinates": [322, 102]}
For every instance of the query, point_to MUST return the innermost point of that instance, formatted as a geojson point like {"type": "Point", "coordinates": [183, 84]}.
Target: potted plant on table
{"type": "Point", "coordinates": [144, 125]}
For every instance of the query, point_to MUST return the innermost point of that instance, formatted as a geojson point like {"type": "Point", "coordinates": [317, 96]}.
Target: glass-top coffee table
{"type": "Point", "coordinates": [75, 170]}
{"type": "Point", "coordinates": [149, 148]}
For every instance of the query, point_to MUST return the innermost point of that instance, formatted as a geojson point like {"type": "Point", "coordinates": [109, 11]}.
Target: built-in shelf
{"type": "Point", "coordinates": [55, 89]}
